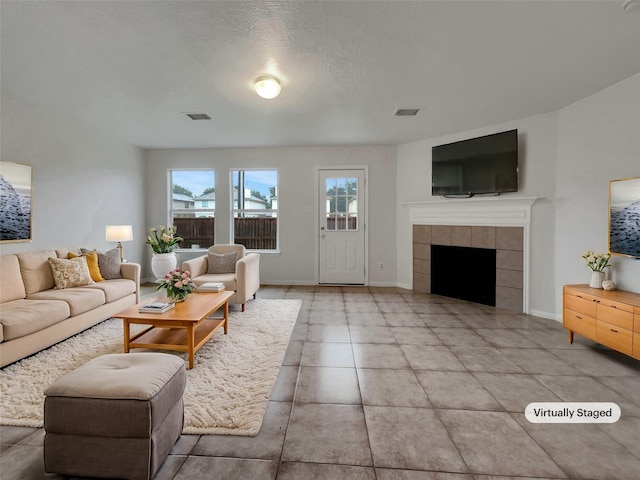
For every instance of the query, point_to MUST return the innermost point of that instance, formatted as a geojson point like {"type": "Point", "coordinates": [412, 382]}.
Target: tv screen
{"type": "Point", "coordinates": [482, 165]}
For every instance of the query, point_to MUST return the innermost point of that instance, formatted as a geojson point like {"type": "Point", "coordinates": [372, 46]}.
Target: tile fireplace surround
{"type": "Point", "coordinates": [495, 223]}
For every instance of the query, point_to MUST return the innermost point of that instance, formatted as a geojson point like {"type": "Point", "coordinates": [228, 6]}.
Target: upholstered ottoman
{"type": "Point", "coordinates": [117, 416]}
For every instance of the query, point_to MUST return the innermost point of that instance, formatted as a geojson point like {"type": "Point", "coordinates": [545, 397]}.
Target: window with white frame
{"type": "Point", "coordinates": [193, 204]}
{"type": "Point", "coordinates": [255, 208]}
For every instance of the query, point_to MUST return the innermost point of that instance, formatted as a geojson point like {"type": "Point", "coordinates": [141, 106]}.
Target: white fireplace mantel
{"type": "Point", "coordinates": [489, 211]}
{"type": "Point", "coordinates": [481, 211]}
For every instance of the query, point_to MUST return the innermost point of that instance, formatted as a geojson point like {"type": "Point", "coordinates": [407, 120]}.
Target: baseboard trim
{"type": "Point", "coordinates": [547, 315]}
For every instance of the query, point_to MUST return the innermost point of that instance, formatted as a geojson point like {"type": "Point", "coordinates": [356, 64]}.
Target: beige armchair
{"type": "Point", "coordinates": [231, 265]}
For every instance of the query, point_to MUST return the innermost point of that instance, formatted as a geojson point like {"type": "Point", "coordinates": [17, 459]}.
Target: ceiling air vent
{"type": "Point", "coordinates": [198, 116]}
{"type": "Point", "coordinates": [407, 112]}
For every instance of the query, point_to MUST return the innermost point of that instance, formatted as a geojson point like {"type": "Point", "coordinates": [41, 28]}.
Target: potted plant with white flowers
{"type": "Point", "coordinates": [163, 242]}
{"type": "Point", "coordinates": [597, 262]}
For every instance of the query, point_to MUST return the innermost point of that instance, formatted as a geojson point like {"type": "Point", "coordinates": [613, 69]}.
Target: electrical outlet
{"type": "Point", "coordinates": [381, 265]}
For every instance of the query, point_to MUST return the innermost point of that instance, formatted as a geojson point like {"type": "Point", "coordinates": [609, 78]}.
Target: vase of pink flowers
{"type": "Point", "coordinates": [178, 285]}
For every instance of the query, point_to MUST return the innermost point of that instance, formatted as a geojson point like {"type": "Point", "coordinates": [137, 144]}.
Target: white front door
{"type": "Point", "coordinates": [341, 205]}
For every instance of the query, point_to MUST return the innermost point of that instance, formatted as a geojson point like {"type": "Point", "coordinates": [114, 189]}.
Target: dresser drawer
{"type": "Point", "coordinates": [615, 337]}
{"type": "Point", "coordinates": [579, 323]}
{"type": "Point", "coordinates": [636, 345]}
{"type": "Point", "coordinates": [580, 302]}
{"type": "Point", "coordinates": [614, 304]}
{"type": "Point", "coordinates": [615, 315]}
{"type": "Point", "coordinates": [636, 321]}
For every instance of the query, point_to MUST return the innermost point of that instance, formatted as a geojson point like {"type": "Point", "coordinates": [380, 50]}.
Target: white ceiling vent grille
{"type": "Point", "coordinates": [406, 112]}
{"type": "Point", "coordinates": [198, 116]}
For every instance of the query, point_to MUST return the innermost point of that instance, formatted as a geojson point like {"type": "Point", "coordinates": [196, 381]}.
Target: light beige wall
{"type": "Point", "coordinates": [598, 141]}
{"type": "Point", "coordinates": [296, 263]}
{"type": "Point", "coordinates": [83, 180]}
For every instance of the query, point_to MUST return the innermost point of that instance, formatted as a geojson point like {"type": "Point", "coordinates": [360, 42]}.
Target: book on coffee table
{"type": "Point", "coordinates": [211, 287]}
{"type": "Point", "coordinates": [156, 307]}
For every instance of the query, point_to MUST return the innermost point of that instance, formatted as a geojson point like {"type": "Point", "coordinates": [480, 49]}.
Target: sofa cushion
{"type": "Point", "coordinates": [109, 263]}
{"type": "Point", "coordinates": [221, 262]}
{"type": "Point", "coordinates": [69, 273]}
{"type": "Point", "coordinates": [23, 317]}
{"type": "Point", "coordinates": [11, 286]}
{"type": "Point", "coordinates": [80, 299]}
{"type": "Point", "coordinates": [35, 270]}
{"type": "Point", "coordinates": [92, 263]}
{"type": "Point", "coordinates": [229, 280]}
{"type": "Point", "coordinates": [115, 289]}
{"type": "Point", "coordinates": [64, 252]}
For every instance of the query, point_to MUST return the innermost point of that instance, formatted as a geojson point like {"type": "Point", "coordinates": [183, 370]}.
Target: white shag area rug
{"type": "Point", "coordinates": [227, 390]}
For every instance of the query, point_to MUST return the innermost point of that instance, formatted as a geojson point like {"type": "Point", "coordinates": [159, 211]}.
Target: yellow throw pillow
{"type": "Point", "coordinates": [92, 263]}
{"type": "Point", "coordinates": [70, 273]}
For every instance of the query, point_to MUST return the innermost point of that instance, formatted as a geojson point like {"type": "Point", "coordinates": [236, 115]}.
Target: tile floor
{"type": "Point", "coordinates": [383, 383]}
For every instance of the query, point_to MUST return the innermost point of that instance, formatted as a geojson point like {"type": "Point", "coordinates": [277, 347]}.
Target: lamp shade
{"type": "Point", "coordinates": [119, 233]}
{"type": "Point", "coordinates": [267, 86]}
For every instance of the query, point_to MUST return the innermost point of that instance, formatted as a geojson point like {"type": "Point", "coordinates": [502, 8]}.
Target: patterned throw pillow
{"type": "Point", "coordinates": [92, 263]}
{"type": "Point", "coordinates": [109, 263]}
{"type": "Point", "coordinates": [222, 262]}
{"type": "Point", "coordinates": [68, 273]}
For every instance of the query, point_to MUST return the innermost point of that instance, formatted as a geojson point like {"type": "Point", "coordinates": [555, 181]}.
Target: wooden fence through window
{"type": "Point", "coordinates": [340, 223]}
{"type": "Point", "coordinates": [195, 231]}
{"type": "Point", "coordinates": [255, 233]}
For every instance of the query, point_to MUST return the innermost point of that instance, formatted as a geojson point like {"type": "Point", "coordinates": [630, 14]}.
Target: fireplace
{"type": "Point", "coordinates": [499, 223]}
{"type": "Point", "coordinates": [507, 268]}
{"type": "Point", "coordinates": [464, 272]}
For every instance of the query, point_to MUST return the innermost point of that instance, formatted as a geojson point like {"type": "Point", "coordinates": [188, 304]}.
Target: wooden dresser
{"type": "Point", "coordinates": [611, 318]}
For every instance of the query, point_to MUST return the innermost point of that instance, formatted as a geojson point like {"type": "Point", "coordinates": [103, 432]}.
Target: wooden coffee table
{"type": "Point", "coordinates": [184, 328]}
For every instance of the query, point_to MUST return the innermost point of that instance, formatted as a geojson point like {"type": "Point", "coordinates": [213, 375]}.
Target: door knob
{"type": "Point", "coordinates": [322, 236]}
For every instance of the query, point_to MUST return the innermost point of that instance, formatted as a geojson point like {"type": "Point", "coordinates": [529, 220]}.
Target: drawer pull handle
{"type": "Point", "coordinates": [579, 296]}
{"type": "Point", "coordinates": [614, 331]}
{"type": "Point", "coordinates": [613, 306]}
{"type": "Point", "coordinates": [578, 317]}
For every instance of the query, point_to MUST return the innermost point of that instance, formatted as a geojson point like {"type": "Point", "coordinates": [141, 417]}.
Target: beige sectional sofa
{"type": "Point", "coordinates": [34, 314]}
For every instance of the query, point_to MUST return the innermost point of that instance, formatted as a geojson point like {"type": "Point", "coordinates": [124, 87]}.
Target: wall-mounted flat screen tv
{"type": "Point", "coordinates": [482, 165]}
{"type": "Point", "coordinates": [624, 217]}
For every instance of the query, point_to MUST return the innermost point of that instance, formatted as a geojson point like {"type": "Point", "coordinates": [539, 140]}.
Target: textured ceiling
{"type": "Point", "coordinates": [133, 69]}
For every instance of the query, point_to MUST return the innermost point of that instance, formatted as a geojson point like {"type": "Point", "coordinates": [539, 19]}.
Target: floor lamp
{"type": "Point", "coordinates": [119, 233]}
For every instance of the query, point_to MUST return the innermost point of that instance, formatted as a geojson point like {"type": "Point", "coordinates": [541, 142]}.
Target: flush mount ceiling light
{"type": "Point", "coordinates": [267, 86]}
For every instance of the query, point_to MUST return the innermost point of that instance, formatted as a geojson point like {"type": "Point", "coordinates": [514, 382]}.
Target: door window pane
{"type": "Point", "coordinates": [342, 204]}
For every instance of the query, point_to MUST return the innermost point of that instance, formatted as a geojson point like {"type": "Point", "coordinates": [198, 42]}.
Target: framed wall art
{"type": "Point", "coordinates": [15, 202]}
{"type": "Point", "coordinates": [624, 217]}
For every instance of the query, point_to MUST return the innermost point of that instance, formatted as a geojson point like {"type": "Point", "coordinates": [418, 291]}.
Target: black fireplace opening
{"type": "Point", "coordinates": [465, 273]}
